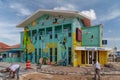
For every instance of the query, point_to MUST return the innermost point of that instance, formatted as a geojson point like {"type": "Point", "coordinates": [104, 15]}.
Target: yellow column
{"type": "Point", "coordinates": [75, 63]}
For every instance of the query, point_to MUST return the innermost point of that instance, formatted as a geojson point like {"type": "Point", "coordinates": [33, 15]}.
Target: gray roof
{"type": "Point", "coordinates": [40, 12]}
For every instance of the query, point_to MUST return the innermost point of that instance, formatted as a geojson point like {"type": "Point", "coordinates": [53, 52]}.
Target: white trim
{"type": "Point", "coordinates": [41, 12]}
{"type": "Point", "coordinates": [93, 48]}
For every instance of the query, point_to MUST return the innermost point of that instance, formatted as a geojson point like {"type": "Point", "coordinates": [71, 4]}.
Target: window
{"type": "Point", "coordinates": [69, 34]}
{"type": "Point", "coordinates": [50, 36]}
{"type": "Point", "coordinates": [39, 52]}
{"type": "Point", "coordinates": [39, 37]}
{"type": "Point", "coordinates": [35, 37]}
{"type": "Point", "coordinates": [56, 36]}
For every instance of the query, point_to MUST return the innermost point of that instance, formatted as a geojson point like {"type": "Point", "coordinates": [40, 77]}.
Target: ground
{"type": "Point", "coordinates": [41, 76]}
{"type": "Point", "coordinates": [73, 73]}
{"type": "Point", "coordinates": [48, 72]}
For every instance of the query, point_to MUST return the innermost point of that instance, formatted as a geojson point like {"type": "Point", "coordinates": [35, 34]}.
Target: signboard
{"type": "Point", "coordinates": [104, 42]}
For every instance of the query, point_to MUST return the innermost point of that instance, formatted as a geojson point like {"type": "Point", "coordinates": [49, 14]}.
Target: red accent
{"type": "Point", "coordinates": [86, 22]}
{"type": "Point", "coordinates": [78, 34]}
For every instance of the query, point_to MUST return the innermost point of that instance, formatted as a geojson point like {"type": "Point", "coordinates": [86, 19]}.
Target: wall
{"type": "Point", "coordinates": [76, 24]}
{"type": "Point", "coordinates": [92, 36]}
{"type": "Point", "coordinates": [103, 57]}
{"type": "Point", "coordinates": [49, 38]}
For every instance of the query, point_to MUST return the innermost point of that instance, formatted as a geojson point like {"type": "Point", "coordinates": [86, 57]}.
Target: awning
{"type": "Point", "coordinates": [93, 48]}
{"type": "Point", "coordinates": [14, 50]}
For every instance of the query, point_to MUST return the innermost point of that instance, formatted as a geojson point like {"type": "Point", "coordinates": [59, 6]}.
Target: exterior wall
{"type": "Point", "coordinates": [78, 62]}
{"type": "Point", "coordinates": [10, 60]}
{"type": "Point", "coordinates": [50, 40]}
{"type": "Point", "coordinates": [92, 36]}
{"type": "Point", "coordinates": [76, 24]}
{"type": "Point", "coordinates": [54, 37]}
{"type": "Point", "coordinates": [103, 57]}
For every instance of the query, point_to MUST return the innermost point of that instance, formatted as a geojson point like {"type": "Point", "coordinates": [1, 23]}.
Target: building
{"type": "Point", "coordinates": [3, 49]}
{"type": "Point", "coordinates": [10, 53]}
{"type": "Point", "coordinates": [66, 36]}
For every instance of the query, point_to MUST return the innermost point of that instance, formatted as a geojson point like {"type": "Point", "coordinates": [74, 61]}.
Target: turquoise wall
{"type": "Point", "coordinates": [52, 37]}
{"type": "Point", "coordinates": [92, 36]}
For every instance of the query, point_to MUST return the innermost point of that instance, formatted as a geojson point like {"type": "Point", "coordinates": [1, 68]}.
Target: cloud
{"type": "Point", "coordinates": [110, 15]}
{"type": "Point", "coordinates": [9, 33]}
{"type": "Point", "coordinates": [10, 39]}
{"type": "Point", "coordinates": [112, 39]}
{"type": "Point", "coordinates": [90, 13]}
{"type": "Point", "coordinates": [65, 7]}
{"type": "Point", "coordinates": [20, 9]}
{"type": "Point", "coordinates": [5, 24]}
{"type": "Point", "coordinates": [109, 31]}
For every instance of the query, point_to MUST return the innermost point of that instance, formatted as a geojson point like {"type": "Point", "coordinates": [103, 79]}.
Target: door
{"type": "Point", "coordinates": [55, 54]}
{"type": "Point", "coordinates": [50, 54]}
{"type": "Point", "coordinates": [36, 61]}
{"type": "Point", "coordinates": [92, 55]}
{"type": "Point", "coordinates": [69, 56]}
{"type": "Point", "coordinates": [83, 57]}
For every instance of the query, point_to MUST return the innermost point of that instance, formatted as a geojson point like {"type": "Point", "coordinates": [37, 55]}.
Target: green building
{"type": "Point", "coordinates": [61, 36]}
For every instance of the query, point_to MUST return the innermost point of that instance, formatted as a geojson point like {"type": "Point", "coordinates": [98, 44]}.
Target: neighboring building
{"type": "Point", "coordinates": [14, 53]}
{"type": "Point", "coordinates": [3, 49]}
{"type": "Point", "coordinates": [10, 53]}
{"type": "Point", "coordinates": [117, 56]}
{"type": "Point", "coordinates": [62, 36]}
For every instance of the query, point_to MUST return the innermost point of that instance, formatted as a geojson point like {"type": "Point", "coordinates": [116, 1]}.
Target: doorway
{"type": "Point", "coordinates": [92, 55]}
{"type": "Point", "coordinates": [50, 54]}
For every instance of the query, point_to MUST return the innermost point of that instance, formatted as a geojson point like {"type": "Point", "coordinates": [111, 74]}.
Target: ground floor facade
{"type": "Point", "coordinates": [85, 55]}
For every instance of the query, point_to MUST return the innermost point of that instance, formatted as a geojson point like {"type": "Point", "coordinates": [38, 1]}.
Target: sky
{"type": "Point", "coordinates": [106, 12]}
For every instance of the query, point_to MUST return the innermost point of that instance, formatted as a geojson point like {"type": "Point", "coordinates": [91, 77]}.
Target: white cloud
{"type": "Point", "coordinates": [5, 24]}
{"type": "Point", "coordinates": [65, 7]}
{"type": "Point", "coordinates": [10, 39]}
{"type": "Point", "coordinates": [90, 13]}
{"type": "Point", "coordinates": [110, 15]}
{"type": "Point", "coordinates": [112, 39]}
{"type": "Point", "coordinates": [20, 8]}
{"type": "Point", "coordinates": [109, 31]}
{"type": "Point", "coordinates": [9, 33]}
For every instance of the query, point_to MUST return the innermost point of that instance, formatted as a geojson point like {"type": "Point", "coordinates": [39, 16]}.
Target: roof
{"type": "Point", "coordinates": [3, 45]}
{"type": "Point", "coordinates": [66, 13]}
{"type": "Point", "coordinates": [14, 46]}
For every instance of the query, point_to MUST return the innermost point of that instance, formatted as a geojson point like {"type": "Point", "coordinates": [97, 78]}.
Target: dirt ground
{"type": "Point", "coordinates": [77, 76]}
{"type": "Point", "coordinates": [41, 76]}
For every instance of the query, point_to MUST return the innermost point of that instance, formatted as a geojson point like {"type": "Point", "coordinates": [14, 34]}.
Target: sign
{"type": "Point", "coordinates": [104, 42]}
{"type": "Point", "coordinates": [92, 48]}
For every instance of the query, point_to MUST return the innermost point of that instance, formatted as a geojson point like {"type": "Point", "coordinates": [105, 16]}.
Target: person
{"type": "Point", "coordinates": [97, 69]}
{"type": "Point", "coordinates": [14, 69]}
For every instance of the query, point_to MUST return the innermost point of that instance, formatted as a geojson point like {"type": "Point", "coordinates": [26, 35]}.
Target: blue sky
{"type": "Point", "coordinates": [106, 12]}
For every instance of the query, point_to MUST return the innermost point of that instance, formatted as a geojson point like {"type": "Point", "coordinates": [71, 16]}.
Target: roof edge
{"type": "Point", "coordinates": [36, 14]}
